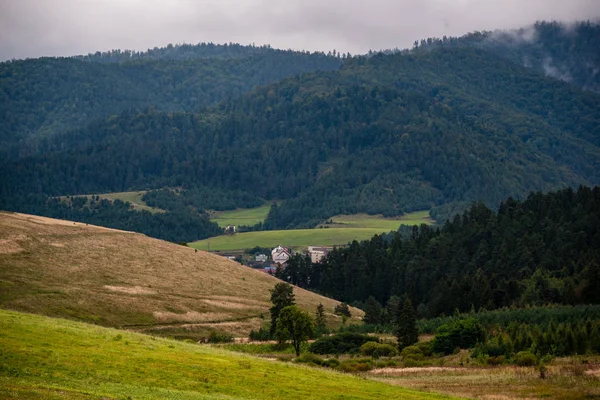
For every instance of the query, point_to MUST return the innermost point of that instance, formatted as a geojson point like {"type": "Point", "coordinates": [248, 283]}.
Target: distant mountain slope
{"type": "Point", "coordinates": [385, 134]}
{"type": "Point", "coordinates": [123, 279]}
{"type": "Point", "coordinates": [42, 97]}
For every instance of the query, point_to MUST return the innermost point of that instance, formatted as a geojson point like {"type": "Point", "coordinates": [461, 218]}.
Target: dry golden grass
{"type": "Point", "coordinates": [124, 279]}
{"type": "Point", "coordinates": [565, 379]}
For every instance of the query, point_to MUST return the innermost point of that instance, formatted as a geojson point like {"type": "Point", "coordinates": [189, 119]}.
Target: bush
{"type": "Point", "coordinates": [377, 350]}
{"type": "Point", "coordinates": [341, 343]}
{"type": "Point", "coordinates": [313, 359]}
{"type": "Point", "coordinates": [262, 334]}
{"type": "Point", "coordinates": [463, 334]}
{"type": "Point", "coordinates": [525, 358]}
{"type": "Point", "coordinates": [412, 352]}
{"type": "Point", "coordinates": [219, 337]}
{"type": "Point", "coordinates": [356, 365]}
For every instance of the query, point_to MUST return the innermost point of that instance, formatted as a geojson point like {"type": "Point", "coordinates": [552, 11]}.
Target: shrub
{"type": "Point", "coordinates": [262, 334]}
{"type": "Point", "coordinates": [463, 333]}
{"type": "Point", "coordinates": [525, 358]}
{"type": "Point", "coordinates": [219, 337]}
{"type": "Point", "coordinates": [377, 350]}
{"type": "Point", "coordinates": [413, 353]}
{"type": "Point", "coordinates": [356, 365]}
{"type": "Point", "coordinates": [310, 358]}
{"type": "Point", "coordinates": [341, 343]}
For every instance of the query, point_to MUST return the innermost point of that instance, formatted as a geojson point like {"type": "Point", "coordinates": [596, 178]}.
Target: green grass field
{"type": "Point", "coordinates": [296, 238]}
{"type": "Point", "coordinates": [242, 216]}
{"type": "Point", "coordinates": [343, 229]}
{"type": "Point", "coordinates": [49, 358]}
{"type": "Point", "coordinates": [378, 222]}
{"type": "Point", "coordinates": [135, 198]}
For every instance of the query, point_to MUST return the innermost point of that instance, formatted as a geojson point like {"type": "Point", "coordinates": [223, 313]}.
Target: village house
{"type": "Point", "coordinates": [280, 255]}
{"type": "Point", "coordinates": [317, 253]}
{"type": "Point", "coordinates": [261, 257]}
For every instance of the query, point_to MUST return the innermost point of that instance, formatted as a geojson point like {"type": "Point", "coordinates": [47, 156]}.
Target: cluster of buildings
{"type": "Point", "coordinates": [280, 256]}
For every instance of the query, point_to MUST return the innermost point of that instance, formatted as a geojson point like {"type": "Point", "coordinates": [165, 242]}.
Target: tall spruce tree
{"type": "Point", "coordinates": [406, 324]}
{"type": "Point", "coordinates": [320, 319]}
{"type": "Point", "coordinates": [372, 311]}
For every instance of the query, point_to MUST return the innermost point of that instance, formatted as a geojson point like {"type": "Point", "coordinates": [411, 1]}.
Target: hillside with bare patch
{"type": "Point", "coordinates": [128, 280]}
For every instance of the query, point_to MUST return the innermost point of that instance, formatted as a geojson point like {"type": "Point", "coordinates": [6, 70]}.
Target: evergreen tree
{"type": "Point", "coordinates": [372, 311]}
{"type": "Point", "coordinates": [321, 326]}
{"type": "Point", "coordinates": [406, 325]}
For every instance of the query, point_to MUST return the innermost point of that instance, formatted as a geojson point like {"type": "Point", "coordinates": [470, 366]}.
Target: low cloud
{"type": "Point", "coordinates": [33, 28]}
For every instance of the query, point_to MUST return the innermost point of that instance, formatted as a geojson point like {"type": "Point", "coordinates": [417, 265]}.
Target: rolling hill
{"type": "Point", "coordinates": [57, 359]}
{"type": "Point", "coordinates": [124, 279]}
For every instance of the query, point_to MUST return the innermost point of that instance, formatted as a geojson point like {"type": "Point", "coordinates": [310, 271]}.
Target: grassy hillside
{"type": "Point", "coordinates": [122, 279]}
{"type": "Point", "coordinates": [53, 358]}
{"type": "Point", "coordinates": [242, 216]}
{"type": "Point", "coordinates": [341, 230]}
{"type": "Point", "coordinates": [134, 198]}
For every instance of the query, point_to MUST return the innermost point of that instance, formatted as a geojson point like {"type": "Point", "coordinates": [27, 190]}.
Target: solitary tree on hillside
{"type": "Point", "coordinates": [296, 325]}
{"type": "Point", "coordinates": [406, 325]}
{"type": "Point", "coordinates": [282, 295]}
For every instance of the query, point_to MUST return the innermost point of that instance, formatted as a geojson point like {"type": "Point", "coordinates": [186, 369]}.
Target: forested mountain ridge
{"type": "Point", "coordinates": [46, 96]}
{"type": "Point", "coordinates": [385, 134]}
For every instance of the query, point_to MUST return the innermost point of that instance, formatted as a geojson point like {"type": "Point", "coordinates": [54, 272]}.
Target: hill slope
{"type": "Point", "coordinates": [386, 134]}
{"type": "Point", "coordinates": [53, 358]}
{"type": "Point", "coordinates": [124, 279]}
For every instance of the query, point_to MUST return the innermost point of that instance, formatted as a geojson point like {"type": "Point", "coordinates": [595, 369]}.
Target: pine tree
{"type": "Point", "coordinates": [406, 325]}
{"type": "Point", "coordinates": [372, 311]}
{"type": "Point", "coordinates": [320, 319]}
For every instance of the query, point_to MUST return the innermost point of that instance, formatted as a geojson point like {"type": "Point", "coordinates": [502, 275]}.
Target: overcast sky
{"type": "Point", "coordinates": [34, 28]}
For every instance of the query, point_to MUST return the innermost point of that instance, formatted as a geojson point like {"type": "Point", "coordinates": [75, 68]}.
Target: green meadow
{"type": "Point", "coordinates": [341, 230]}
{"type": "Point", "coordinates": [41, 357]}
{"type": "Point", "coordinates": [242, 216]}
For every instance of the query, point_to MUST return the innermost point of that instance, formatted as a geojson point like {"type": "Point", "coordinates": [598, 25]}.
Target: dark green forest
{"type": "Point", "coordinates": [543, 250]}
{"type": "Point", "coordinates": [447, 123]}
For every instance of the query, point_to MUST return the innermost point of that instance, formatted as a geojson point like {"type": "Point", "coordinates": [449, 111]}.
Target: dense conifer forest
{"type": "Point", "coordinates": [543, 250]}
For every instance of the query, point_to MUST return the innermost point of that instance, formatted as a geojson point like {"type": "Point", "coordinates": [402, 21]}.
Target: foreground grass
{"type": "Point", "coordinates": [52, 358]}
{"type": "Point", "coordinates": [242, 216]}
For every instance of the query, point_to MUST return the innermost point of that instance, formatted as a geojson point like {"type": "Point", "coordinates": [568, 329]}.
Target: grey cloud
{"type": "Point", "coordinates": [33, 28]}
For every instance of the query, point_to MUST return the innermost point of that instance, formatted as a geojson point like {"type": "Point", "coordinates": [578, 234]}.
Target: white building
{"type": "Point", "coordinates": [280, 255]}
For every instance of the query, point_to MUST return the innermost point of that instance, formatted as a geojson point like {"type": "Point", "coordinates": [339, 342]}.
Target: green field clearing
{"type": "Point", "coordinates": [344, 229]}
{"type": "Point", "coordinates": [295, 238]}
{"type": "Point", "coordinates": [379, 222]}
{"type": "Point", "coordinates": [242, 216]}
{"type": "Point", "coordinates": [52, 358]}
{"type": "Point", "coordinates": [135, 198]}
